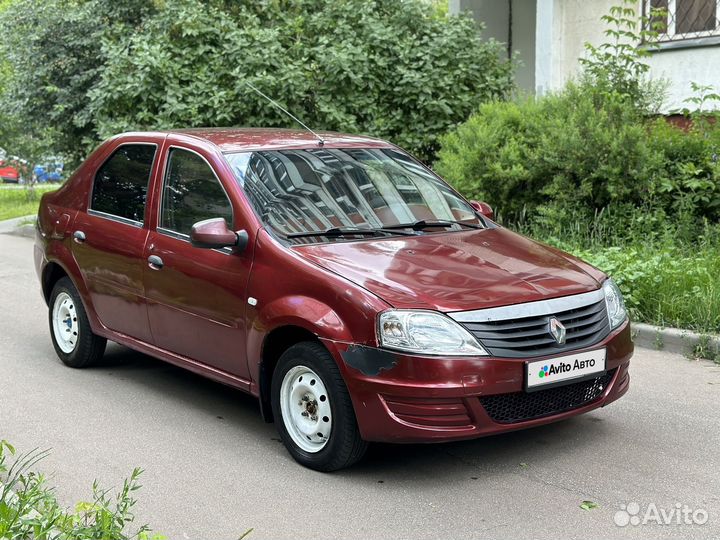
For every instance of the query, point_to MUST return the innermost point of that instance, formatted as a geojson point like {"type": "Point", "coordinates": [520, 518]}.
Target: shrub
{"type": "Point", "coordinates": [591, 159]}
{"type": "Point", "coordinates": [550, 155]}
{"type": "Point", "coordinates": [577, 157]}
{"type": "Point", "coordinates": [617, 66]}
{"type": "Point", "coordinates": [29, 507]}
{"type": "Point", "coordinates": [686, 171]}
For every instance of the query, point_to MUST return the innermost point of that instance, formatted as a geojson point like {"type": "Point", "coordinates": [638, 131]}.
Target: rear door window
{"type": "Point", "coordinates": [191, 193]}
{"type": "Point", "coordinates": [121, 184]}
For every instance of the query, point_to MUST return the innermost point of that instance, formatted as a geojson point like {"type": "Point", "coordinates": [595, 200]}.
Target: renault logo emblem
{"type": "Point", "coordinates": [557, 330]}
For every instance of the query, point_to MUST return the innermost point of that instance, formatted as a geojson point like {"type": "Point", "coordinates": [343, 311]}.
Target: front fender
{"type": "Point", "coordinates": [303, 312]}
{"type": "Point", "coordinates": [308, 313]}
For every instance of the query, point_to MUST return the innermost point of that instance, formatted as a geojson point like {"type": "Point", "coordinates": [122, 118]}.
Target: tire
{"type": "Point", "coordinates": [72, 337]}
{"type": "Point", "coordinates": [310, 399]}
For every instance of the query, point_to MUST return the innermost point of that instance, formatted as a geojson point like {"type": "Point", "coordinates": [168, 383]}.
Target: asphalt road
{"type": "Point", "coordinates": [214, 469]}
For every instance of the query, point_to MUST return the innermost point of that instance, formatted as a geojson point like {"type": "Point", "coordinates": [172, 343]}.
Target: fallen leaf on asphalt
{"type": "Point", "coordinates": [588, 505]}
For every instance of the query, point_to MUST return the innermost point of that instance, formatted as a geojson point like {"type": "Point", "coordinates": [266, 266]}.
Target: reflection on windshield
{"type": "Point", "coordinates": [295, 191]}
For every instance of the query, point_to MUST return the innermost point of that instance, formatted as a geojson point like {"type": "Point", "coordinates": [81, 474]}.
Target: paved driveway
{"type": "Point", "coordinates": [214, 469]}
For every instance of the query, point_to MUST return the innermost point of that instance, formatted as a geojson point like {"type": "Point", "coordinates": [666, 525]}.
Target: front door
{"type": "Point", "coordinates": [196, 297]}
{"type": "Point", "coordinates": [109, 240]}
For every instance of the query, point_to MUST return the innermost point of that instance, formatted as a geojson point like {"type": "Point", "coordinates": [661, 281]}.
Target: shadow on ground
{"type": "Point", "coordinates": [473, 459]}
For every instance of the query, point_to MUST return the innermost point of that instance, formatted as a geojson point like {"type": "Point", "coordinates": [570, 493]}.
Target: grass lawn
{"type": "Point", "coordinates": [666, 280]}
{"type": "Point", "coordinates": [14, 201]}
{"type": "Point", "coordinates": [670, 285]}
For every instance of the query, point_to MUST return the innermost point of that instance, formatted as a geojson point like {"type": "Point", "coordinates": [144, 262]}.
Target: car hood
{"type": "Point", "coordinates": [456, 271]}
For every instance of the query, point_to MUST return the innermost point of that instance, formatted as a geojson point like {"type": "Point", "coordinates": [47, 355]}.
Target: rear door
{"type": "Point", "coordinates": [196, 297]}
{"type": "Point", "coordinates": [109, 239]}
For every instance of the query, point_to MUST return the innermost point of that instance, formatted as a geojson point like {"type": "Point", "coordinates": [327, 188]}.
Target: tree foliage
{"type": "Point", "coordinates": [398, 69]}
{"type": "Point", "coordinates": [53, 52]}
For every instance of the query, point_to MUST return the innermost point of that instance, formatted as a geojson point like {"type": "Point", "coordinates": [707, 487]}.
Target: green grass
{"type": "Point", "coordinates": [14, 202]}
{"type": "Point", "coordinates": [665, 280]}
{"type": "Point", "coordinates": [670, 286]}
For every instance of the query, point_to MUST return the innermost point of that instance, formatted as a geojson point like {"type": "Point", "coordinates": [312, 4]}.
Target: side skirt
{"type": "Point", "coordinates": [182, 361]}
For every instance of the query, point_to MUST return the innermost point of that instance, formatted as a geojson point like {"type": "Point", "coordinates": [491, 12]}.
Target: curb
{"type": "Point", "coordinates": [675, 340]}
{"type": "Point", "coordinates": [28, 231]}
{"type": "Point", "coordinates": [16, 227]}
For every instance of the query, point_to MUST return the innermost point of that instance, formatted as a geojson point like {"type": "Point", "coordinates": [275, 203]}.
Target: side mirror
{"type": "Point", "coordinates": [214, 234]}
{"type": "Point", "coordinates": [484, 208]}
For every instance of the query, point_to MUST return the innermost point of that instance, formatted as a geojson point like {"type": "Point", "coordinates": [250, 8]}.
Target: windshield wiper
{"type": "Point", "coordinates": [335, 232]}
{"type": "Point", "coordinates": [424, 224]}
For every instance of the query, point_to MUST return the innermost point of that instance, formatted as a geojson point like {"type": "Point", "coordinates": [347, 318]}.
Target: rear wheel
{"type": "Point", "coordinates": [313, 411]}
{"type": "Point", "coordinates": [72, 337]}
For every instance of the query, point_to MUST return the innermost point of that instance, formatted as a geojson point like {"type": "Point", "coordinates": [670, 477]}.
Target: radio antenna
{"type": "Point", "coordinates": [321, 141]}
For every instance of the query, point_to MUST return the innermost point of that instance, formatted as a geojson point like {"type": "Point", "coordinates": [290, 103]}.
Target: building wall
{"type": "Point", "coordinates": [495, 17]}
{"type": "Point", "coordinates": [680, 67]}
{"type": "Point", "coordinates": [493, 14]}
{"type": "Point", "coordinates": [550, 37]}
{"type": "Point", "coordinates": [579, 21]}
{"type": "Point", "coordinates": [523, 36]}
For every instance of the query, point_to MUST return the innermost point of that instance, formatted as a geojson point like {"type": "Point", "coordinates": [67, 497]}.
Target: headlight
{"type": "Point", "coordinates": [426, 332]}
{"type": "Point", "coordinates": [615, 304]}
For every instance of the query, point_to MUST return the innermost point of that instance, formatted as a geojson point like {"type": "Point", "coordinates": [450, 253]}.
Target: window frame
{"type": "Point", "coordinates": [161, 203]}
{"type": "Point", "coordinates": [112, 217]}
{"type": "Point", "coordinates": [670, 39]}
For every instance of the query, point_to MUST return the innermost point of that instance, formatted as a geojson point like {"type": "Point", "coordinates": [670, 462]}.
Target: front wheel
{"type": "Point", "coordinates": [313, 411]}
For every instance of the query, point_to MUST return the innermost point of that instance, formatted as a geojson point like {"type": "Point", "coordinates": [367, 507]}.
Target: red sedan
{"type": "Point", "coordinates": [350, 289]}
{"type": "Point", "coordinates": [9, 173]}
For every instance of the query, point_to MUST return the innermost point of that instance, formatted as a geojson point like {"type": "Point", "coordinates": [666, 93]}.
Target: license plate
{"type": "Point", "coordinates": [564, 368]}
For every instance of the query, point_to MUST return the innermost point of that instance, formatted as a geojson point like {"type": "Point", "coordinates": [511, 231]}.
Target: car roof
{"type": "Point", "coordinates": [244, 139]}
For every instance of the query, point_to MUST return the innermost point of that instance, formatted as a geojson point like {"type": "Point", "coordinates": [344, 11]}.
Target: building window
{"type": "Point", "coordinates": [679, 20]}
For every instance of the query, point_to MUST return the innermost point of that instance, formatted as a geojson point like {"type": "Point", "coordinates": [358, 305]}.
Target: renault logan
{"type": "Point", "coordinates": [344, 284]}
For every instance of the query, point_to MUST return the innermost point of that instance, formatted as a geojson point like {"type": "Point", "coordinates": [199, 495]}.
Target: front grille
{"type": "Point", "coordinates": [521, 406]}
{"type": "Point", "coordinates": [530, 336]}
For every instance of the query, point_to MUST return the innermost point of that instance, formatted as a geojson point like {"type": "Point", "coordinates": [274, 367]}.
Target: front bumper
{"type": "Point", "coordinates": [405, 398]}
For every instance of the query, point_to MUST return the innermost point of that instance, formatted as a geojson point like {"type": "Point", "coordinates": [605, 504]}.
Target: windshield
{"type": "Point", "coordinates": [341, 190]}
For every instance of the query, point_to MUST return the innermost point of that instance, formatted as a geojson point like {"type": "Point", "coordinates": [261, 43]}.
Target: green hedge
{"type": "Point", "coordinates": [583, 156]}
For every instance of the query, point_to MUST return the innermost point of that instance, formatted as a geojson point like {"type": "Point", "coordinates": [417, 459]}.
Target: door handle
{"type": "Point", "coordinates": [155, 262]}
{"type": "Point", "coordinates": [79, 237]}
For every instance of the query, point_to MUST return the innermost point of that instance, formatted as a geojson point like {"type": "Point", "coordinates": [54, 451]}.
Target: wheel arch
{"type": "Point", "coordinates": [54, 270]}
{"type": "Point", "coordinates": [288, 320]}
{"type": "Point", "coordinates": [276, 342]}
{"type": "Point", "coordinates": [51, 274]}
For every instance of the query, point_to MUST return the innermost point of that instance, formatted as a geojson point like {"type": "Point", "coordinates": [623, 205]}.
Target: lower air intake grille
{"type": "Point", "coordinates": [521, 406]}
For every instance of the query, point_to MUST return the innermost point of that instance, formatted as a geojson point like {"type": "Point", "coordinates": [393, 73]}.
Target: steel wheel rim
{"type": "Point", "coordinates": [65, 325]}
{"type": "Point", "coordinates": [305, 407]}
